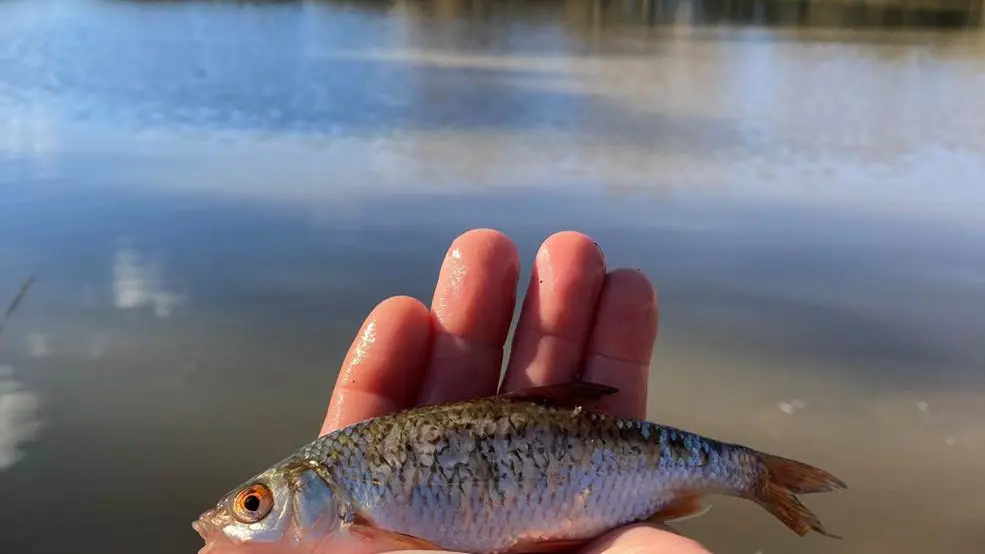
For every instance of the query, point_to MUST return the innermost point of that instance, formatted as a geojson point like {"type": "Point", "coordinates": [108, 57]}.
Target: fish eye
{"type": "Point", "coordinates": [252, 504]}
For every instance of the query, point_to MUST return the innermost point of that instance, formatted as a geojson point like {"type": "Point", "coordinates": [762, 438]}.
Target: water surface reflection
{"type": "Point", "coordinates": [18, 417]}
{"type": "Point", "coordinates": [214, 194]}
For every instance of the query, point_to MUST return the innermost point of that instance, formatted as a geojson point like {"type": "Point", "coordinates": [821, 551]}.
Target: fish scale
{"type": "Point", "coordinates": [493, 490]}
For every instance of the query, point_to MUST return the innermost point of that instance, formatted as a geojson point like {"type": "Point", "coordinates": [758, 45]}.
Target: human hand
{"type": "Point", "coordinates": [577, 320]}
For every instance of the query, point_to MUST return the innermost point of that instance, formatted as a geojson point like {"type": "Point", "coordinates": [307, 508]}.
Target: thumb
{"type": "Point", "coordinates": [423, 552]}
{"type": "Point", "coordinates": [643, 538]}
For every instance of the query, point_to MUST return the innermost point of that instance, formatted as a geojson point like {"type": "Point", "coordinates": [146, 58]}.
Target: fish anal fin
{"type": "Point", "coordinates": [569, 395]}
{"type": "Point", "coordinates": [557, 546]}
{"type": "Point", "coordinates": [779, 484]}
{"type": "Point", "coordinates": [680, 509]}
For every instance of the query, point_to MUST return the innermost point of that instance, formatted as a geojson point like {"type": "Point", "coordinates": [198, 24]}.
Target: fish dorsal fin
{"type": "Point", "coordinates": [565, 395]}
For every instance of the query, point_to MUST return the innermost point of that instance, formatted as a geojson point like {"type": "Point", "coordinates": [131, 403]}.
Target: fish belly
{"type": "Point", "coordinates": [491, 493]}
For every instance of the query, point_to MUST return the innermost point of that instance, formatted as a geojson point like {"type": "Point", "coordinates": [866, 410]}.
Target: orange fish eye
{"type": "Point", "coordinates": [252, 503]}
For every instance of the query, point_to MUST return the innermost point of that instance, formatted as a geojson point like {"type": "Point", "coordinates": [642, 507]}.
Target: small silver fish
{"type": "Point", "coordinates": [531, 471]}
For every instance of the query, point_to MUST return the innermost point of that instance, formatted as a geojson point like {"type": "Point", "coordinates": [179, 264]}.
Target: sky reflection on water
{"type": "Point", "coordinates": [213, 195]}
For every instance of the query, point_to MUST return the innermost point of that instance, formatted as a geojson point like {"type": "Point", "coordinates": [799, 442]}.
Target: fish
{"type": "Point", "coordinates": [532, 471]}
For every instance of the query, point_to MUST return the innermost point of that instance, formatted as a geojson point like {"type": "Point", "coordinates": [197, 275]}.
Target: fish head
{"type": "Point", "coordinates": [291, 505]}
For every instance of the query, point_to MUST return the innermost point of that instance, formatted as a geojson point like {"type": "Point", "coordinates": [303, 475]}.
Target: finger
{"type": "Point", "coordinates": [423, 552]}
{"type": "Point", "coordinates": [641, 539]}
{"type": "Point", "coordinates": [384, 364]}
{"type": "Point", "coordinates": [621, 345]}
{"type": "Point", "coordinates": [471, 313]}
{"type": "Point", "coordinates": [557, 313]}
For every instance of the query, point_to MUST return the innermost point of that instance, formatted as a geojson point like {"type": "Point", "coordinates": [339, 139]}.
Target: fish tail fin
{"type": "Point", "coordinates": [798, 477]}
{"type": "Point", "coordinates": [782, 480]}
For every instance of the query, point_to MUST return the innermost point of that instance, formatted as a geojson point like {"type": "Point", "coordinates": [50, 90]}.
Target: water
{"type": "Point", "coordinates": [214, 194]}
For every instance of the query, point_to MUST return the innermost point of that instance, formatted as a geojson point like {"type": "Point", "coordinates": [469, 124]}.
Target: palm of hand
{"type": "Point", "coordinates": [577, 320]}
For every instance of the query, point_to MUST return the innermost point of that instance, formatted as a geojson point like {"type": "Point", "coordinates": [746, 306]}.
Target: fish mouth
{"type": "Point", "coordinates": [207, 532]}
{"type": "Point", "coordinates": [202, 529]}
{"type": "Point", "coordinates": [211, 533]}
{"type": "Point", "coordinates": [207, 524]}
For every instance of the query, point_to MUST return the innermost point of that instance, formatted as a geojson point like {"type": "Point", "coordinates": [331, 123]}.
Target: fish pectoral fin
{"type": "Point", "coordinates": [390, 540]}
{"type": "Point", "coordinates": [547, 547]}
{"type": "Point", "coordinates": [685, 507]}
{"type": "Point", "coordinates": [573, 394]}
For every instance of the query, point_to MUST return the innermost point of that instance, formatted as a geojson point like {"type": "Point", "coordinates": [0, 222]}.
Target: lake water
{"type": "Point", "coordinates": [214, 194]}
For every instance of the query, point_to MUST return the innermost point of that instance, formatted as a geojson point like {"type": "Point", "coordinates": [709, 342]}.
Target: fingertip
{"type": "Point", "coordinates": [571, 239]}
{"type": "Point", "coordinates": [403, 306]}
{"type": "Point", "coordinates": [484, 234]}
{"type": "Point", "coordinates": [476, 286]}
{"type": "Point", "coordinates": [627, 317]}
{"type": "Point", "coordinates": [556, 317]}
{"type": "Point", "coordinates": [472, 311]}
{"type": "Point", "coordinates": [485, 243]}
{"type": "Point", "coordinates": [397, 322]}
{"type": "Point", "coordinates": [570, 267]}
{"type": "Point", "coordinates": [623, 337]}
{"type": "Point", "coordinates": [384, 364]}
